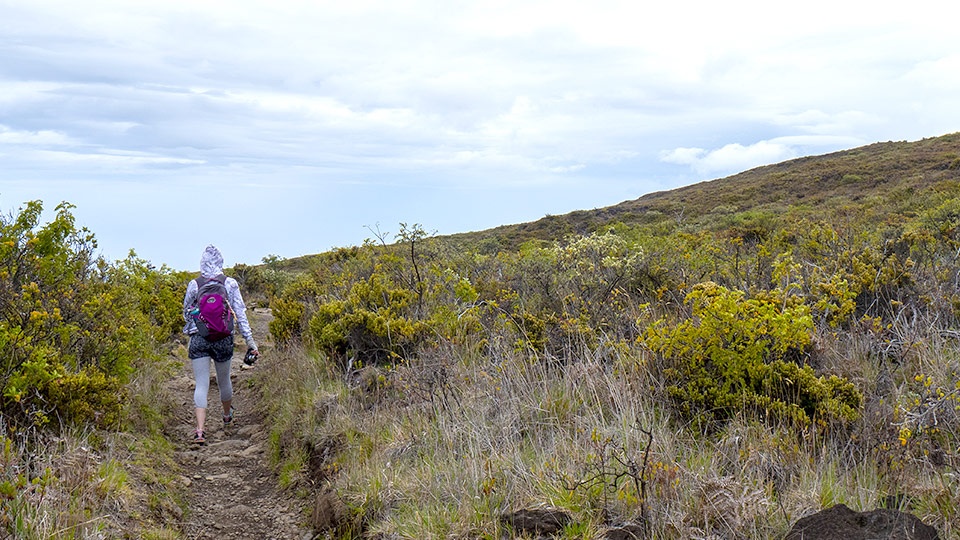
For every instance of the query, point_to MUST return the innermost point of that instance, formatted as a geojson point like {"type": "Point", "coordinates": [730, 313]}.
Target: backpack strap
{"type": "Point", "coordinates": [201, 281]}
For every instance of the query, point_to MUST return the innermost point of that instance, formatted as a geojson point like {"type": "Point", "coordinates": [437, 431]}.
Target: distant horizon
{"type": "Point", "coordinates": [372, 235]}
{"type": "Point", "coordinates": [372, 231]}
{"type": "Point", "coordinates": [288, 128]}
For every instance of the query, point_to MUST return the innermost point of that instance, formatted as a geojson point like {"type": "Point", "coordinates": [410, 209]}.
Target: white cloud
{"type": "Point", "coordinates": [113, 159]}
{"type": "Point", "coordinates": [35, 138]}
{"type": "Point", "coordinates": [802, 143]}
{"type": "Point", "coordinates": [826, 125]}
{"type": "Point", "coordinates": [567, 168]}
{"type": "Point", "coordinates": [941, 73]}
{"type": "Point", "coordinates": [683, 156]}
{"type": "Point", "coordinates": [736, 157]}
{"type": "Point", "coordinates": [730, 158]}
{"type": "Point", "coordinates": [578, 101]}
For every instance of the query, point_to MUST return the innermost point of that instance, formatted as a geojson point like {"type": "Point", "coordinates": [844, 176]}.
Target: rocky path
{"type": "Point", "coordinates": [231, 491]}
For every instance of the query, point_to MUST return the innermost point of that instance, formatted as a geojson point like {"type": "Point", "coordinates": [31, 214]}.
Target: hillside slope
{"type": "Point", "coordinates": [730, 358]}
{"type": "Point", "coordinates": [846, 177]}
{"type": "Point", "coordinates": [888, 171]}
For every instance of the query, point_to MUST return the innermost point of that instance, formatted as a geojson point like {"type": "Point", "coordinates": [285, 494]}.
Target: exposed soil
{"type": "Point", "coordinates": [231, 491]}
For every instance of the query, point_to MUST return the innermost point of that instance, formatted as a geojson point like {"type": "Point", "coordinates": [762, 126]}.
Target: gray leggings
{"type": "Point", "coordinates": [201, 374]}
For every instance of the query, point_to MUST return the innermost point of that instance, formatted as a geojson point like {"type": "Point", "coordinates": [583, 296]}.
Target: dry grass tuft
{"type": "Point", "coordinates": [446, 444]}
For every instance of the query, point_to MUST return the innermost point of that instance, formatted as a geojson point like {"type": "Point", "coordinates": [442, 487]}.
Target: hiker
{"type": "Point", "coordinates": [210, 327]}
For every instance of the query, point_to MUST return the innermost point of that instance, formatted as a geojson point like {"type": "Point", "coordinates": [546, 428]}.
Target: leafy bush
{"type": "Point", "coordinates": [734, 354]}
{"type": "Point", "coordinates": [286, 324]}
{"type": "Point", "coordinates": [371, 323]}
{"type": "Point", "coordinates": [71, 326]}
{"type": "Point", "coordinates": [157, 294]}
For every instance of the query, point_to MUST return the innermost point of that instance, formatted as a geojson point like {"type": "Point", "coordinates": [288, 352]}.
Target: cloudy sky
{"type": "Point", "coordinates": [292, 127]}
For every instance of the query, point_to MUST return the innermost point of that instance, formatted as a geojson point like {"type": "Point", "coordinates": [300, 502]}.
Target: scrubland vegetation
{"type": "Point", "coordinates": [717, 373]}
{"type": "Point", "coordinates": [694, 363]}
{"type": "Point", "coordinates": [82, 453]}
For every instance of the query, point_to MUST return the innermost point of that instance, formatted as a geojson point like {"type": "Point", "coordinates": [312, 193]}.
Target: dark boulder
{"type": "Point", "coordinates": [330, 513]}
{"type": "Point", "coordinates": [538, 521]}
{"type": "Point", "coordinates": [842, 522]}
{"type": "Point", "coordinates": [626, 531]}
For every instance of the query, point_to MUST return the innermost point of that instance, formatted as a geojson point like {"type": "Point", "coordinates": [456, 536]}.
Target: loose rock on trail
{"type": "Point", "coordinates": [231, 491]}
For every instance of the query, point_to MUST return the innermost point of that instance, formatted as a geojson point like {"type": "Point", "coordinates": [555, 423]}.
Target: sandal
{"type": "Point", "coordinates": [198, 436]}
{"type": "Point", "coordinates": [227, 418]}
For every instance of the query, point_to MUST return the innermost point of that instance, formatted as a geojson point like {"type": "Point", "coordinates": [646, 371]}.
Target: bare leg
{"type": "Point", "coordinates": [201, 417]}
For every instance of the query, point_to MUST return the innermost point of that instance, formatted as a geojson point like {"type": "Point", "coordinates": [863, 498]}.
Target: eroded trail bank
{"type": "Point", "coordinates": [231, 492]}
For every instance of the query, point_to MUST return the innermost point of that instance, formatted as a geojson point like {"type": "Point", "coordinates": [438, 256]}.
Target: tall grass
{"type": "Point", "coordinates": [91, 483]}
{"type": "Point", "coordinates": [445, 444]}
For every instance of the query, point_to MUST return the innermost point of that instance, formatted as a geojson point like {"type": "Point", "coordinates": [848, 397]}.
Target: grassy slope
{"type": "Point", "coordinates": [847, 177]}
{"type": "Point", "coordinates": [814, 184]}
{"type": "Point", "coordinates": [444, 444]}
{"type": "Point", "coordinates": [851, 177]}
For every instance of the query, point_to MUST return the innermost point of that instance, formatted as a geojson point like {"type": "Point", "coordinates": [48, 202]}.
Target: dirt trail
{"type": "Point", "coordinates": [231, 491]}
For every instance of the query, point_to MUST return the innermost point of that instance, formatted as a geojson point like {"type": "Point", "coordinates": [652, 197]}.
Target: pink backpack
{"type": "Point", "coordinates": [212, 314]}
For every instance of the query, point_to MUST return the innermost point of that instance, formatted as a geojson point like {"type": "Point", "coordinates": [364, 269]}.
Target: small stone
{"type": "Point", "coordinates": [252, 450]}
{"type": "Point", "coordinates": [248, 430]}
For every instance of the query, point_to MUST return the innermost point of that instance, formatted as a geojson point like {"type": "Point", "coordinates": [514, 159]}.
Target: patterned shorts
{"type": "Point", "coordinates": [220, 351]}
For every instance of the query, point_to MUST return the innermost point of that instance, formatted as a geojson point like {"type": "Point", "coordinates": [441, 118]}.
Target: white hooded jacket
{"type": "Point", "coordinates": [211, 265]}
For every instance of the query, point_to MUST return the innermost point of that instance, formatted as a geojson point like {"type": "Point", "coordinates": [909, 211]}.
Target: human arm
{"type": "Point", "coordinates": [240, 312]}
{"type": "Point", "coordinates": [189, 300]}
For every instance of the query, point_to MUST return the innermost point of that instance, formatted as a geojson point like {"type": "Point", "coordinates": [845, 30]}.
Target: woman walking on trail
{"type": "Point", "coordinates": [211, 333]}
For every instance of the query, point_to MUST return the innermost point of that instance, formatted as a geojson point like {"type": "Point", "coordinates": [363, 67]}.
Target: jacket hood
{"type": "Point", "coordinates": [211, 262]}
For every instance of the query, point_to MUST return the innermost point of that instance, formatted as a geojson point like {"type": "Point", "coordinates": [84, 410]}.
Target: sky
{"type": "Point", "coordinates": [286, 128]}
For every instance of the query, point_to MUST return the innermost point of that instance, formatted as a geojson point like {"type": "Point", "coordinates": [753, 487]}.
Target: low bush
{"type": "Point", "coordinates": [733, 354]}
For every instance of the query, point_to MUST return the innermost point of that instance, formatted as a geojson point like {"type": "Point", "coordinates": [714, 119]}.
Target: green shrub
{"type": "Point", "coordinates": [86, 397]}
{"type": "Point", "coordinates": [157, 294]}
{"type": "Point", "coordinates": [71, 325]}
{"type": "Point", "coordinates": [372, 323]}
{"type": "Point", "coordinates": [734, 354]}
{"type": "Point", "coordinates": [287, 320]}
